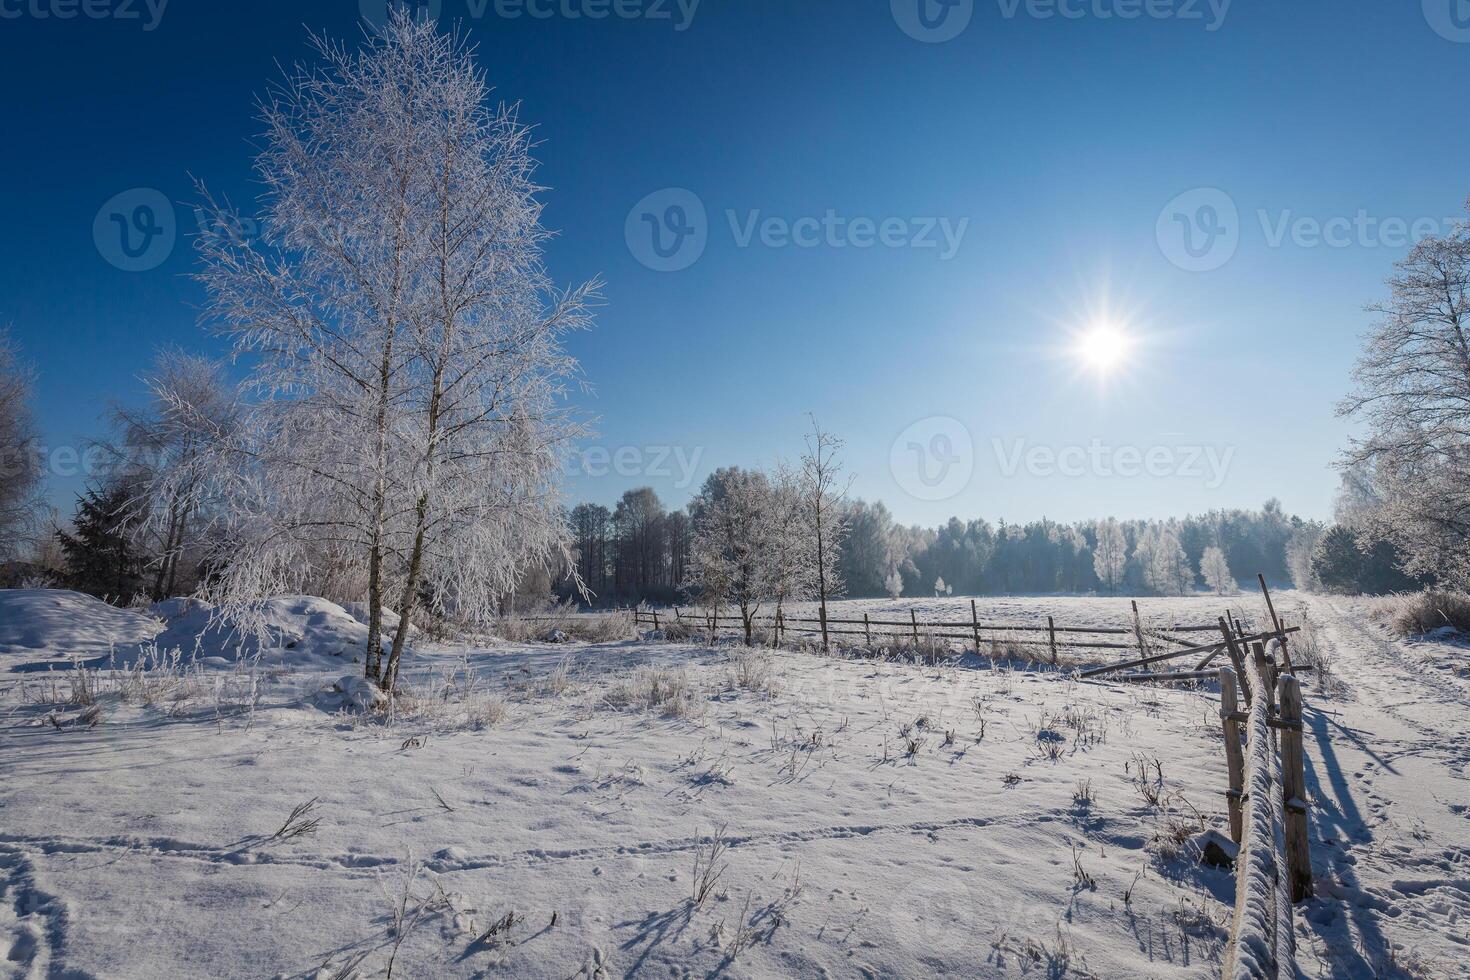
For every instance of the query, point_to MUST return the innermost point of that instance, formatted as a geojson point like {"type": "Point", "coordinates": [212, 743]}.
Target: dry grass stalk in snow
{"type": "Point", "coordinates": [1418, 613]}
{"type": "Point", "coordinates": [656, 688]}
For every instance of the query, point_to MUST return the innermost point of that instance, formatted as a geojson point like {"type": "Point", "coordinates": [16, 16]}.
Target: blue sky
{"type": "Point", "coordinates": [1065, 147]}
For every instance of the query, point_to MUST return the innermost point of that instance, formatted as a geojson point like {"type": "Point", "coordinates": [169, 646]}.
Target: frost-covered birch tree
{"type": "Point", "coordinates": [893, 584]}
{"type": "Point", "coordinates": [792, 558]}
{"type": "Point", "coordinates": [20, 472]}
{"type": "Point", "coordinates": [405, 337]}
{"type": "Point", "coordinates": [1110, 555]}
{"type": "Point", "coordinates": [1413, 393]}
{"type": "Point", "coordinates": [161, 453]}
{"type": "Point", "coordinates": [825, 492]}
{"type": "Point", "coordinates": [1215, 570]}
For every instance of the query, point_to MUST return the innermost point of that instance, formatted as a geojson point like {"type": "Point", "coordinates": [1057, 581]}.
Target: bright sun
{"type": "Point", "coordinates": [1103, 347]}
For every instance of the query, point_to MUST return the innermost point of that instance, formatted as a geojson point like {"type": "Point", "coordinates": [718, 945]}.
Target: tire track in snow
{"type": "Point", "coordinates": [1375, 766]}
{"type": "Point", "coordinates": [450, 860]}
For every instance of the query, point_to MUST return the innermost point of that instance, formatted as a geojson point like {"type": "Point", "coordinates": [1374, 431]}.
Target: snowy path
{"type": "Point", "coordinates": [1389, 766]}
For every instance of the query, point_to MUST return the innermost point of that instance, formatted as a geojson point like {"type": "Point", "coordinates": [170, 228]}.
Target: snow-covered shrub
{"type": "Point", "coordinates": [563, 623]}
{"type": "Point", "coordinates": [450, 699]}
{"type": "Point", "coordinates": [359, 694]}
{"type": "Point", "coordinates": [1424, 612]}
{"type": "Point", "coordinates": [656, 688]}
{"type": "Point", "coordinates": [751, 671]}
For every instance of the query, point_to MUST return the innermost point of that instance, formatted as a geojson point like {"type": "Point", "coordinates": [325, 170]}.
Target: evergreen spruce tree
{"type": "Point", "coordinates": [99, 559]}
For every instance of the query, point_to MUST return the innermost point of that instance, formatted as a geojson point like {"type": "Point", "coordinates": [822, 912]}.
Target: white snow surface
{"type": "Point", "coordinates": [545, 818]}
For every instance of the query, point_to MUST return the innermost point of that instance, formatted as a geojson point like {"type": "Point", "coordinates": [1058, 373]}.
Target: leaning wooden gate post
{"type": "Point", "coordinates": [1230, 716]}
{"type": "Point", "coordinates": [975, 625]}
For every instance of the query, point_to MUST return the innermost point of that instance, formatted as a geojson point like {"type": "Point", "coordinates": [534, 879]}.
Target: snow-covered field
{"type": "Point", "coordinates": [650, 809]}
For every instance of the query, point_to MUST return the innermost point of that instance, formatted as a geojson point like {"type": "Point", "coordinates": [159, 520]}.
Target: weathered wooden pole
{"type": "Point", "coordinates": [1051, 636]}
{"type": "Point", "coordinates": [1276, 622]}
{"type": "Point", "coordinates": [975, 625]}
{"type": "Point", "coordinates": [1138, 630]}
{"type": "Point", "coordinates": [655, 619]}
{"type": "Point", "coordinates": [1231, 716]}
{"type": "Point", "coordinates": [867, 630]}
{"type": "Point", "coordinates": [1294, 788]}
{"type": "Point", "coordinates": [914, 618]}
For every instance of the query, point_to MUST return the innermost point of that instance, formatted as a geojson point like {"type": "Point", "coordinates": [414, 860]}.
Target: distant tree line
{"type": "Point", "coordinates": [641, 550]}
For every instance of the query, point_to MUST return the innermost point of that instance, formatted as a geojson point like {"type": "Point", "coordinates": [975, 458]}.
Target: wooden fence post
{"type": "Point", "coordinates": [1051, 637]}
{"type": "Point", "coordinates": [1138, 630]}
{"type": "Point", "coordinates": [1237, 660]}
{"type": "Point", "coordinates": [1230, 716]}
{"type": "Point", "coordinates": [1293, 788]}
{"type": "Point", "coordinates": [975, 625]}
{"type": "Point", "coordinates": [914, 618]}
{"type": "Point", "coordinates": [655, 619]}
{"type": "Point", "coordinates": [1263, 671]}
{"type": "Point", "coordinates": [867, 630]}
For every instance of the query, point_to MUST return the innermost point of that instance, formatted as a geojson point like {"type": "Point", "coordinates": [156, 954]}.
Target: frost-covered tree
{"type": "Point", "coordinates": [731, 555]}
{"type": "Point", "coordinates": [1413, 393]}
{"type": "Point", "coordinates": [1215, 570]}
{"type": "Point", "coordinates": [1110, 555]}
{"type": "Point", "coordinates": [939, 586]}
{"type": "Point", "coordinates": [20, 472]}
{"type": "Point", "coordinates": [1299, 550]}
{"type": "Point", "coordinates": [160, 455]}
{"type": "Point", "coordinates": [792, 559]}
{"type": "Point", "coordinates": [405, 337]}
{"type": "Point", "coordinates": [1170, 573]}
{"type": "Point", "coordinates": [824, 492]}
{"type": "Point", "coordinates": [893, 584]}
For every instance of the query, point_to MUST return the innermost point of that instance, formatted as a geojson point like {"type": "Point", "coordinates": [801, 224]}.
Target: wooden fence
{"type": "Point", "coordinates": [1153, 644]}
{"type": "Point", "coordinates": [1268, 813]}
{"type": "Point", "coordinates": [778, 627]}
